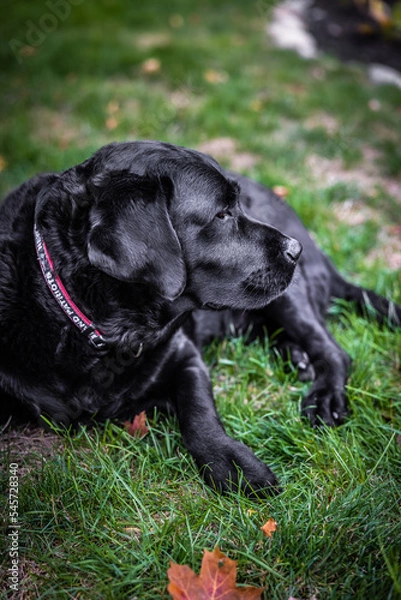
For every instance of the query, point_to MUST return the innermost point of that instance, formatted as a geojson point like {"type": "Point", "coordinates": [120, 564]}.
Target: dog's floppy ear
{"type": "Point", "coordinates": [131, 236]}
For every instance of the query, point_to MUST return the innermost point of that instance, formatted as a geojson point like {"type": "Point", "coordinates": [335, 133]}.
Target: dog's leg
{"type": "Point", "coordinates": [305, 330]}
{"type": "Point", "coordinates": [220, 458]}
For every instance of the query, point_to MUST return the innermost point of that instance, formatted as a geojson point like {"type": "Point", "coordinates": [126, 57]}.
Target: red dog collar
{"type": "Point", "coordinates": [61, 295]}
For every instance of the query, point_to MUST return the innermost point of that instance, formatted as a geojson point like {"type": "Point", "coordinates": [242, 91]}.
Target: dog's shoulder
{"type": "Point", "coordinates": [19, 205]}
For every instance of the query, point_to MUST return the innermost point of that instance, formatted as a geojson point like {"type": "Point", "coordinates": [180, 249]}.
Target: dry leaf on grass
{"type": "Point", "coordinates": [280, 190]}
{"type": "Point", "coordinates": [111, 123]}
{"type": "Point", "coordinates": [137, 428]}
{"type": "Point", "coordinates": [269, 527]}
{"type": "Point", "coordinates": [215, 77]}
{"type": "Point", "coordinates": [216, 580]}
{"type": "Point", "coordinates": [150, 66]}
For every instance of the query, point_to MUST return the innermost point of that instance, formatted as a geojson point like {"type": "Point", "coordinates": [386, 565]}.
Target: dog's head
{"type": "Point", "coordinates": [169, 218]}
{"type": "Point", "coordinates": [232, 261]}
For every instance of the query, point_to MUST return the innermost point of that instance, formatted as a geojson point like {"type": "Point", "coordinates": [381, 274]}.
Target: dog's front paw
{"type": "Point", "coordinates": [233, 465]}
{"type": "Point", "coordinates": [323, 406]}
{"type": "Point", "coordinates": [299, 359]}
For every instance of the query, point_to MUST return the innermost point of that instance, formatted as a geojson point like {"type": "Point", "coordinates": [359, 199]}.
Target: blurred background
{"type": "Point", "coordinates": [210, 75]}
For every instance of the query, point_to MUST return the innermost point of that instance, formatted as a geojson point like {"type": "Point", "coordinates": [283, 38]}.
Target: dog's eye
{"type": "Point", "coordinates": [223, 214]}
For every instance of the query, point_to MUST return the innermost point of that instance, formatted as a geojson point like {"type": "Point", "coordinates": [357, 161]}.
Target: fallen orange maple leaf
{"type": "Point", "coordinates": [216, 580]}
{"type": "Point", "coordinates": [269, 527]}
{"type": "Point", "coordinates": [137, 427]}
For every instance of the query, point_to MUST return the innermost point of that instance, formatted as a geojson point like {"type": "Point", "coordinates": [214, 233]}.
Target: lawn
{"type": "Point", "coordinates": [101, 514]}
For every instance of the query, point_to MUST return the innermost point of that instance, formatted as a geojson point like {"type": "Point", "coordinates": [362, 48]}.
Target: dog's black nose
{"type": "Point", "coordinates": [293, 249]}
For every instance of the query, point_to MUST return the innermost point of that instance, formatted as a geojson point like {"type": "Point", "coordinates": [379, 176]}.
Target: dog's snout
{"type": "Point", "coordinates": [293, 249]}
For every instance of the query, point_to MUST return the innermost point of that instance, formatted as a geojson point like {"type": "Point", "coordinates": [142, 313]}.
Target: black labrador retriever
{"type": "Point", "coordinates": [102, 265]}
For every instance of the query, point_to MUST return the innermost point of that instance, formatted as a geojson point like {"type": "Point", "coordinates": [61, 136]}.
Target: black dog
{"type": "Point", "coordinates": [102, 264]}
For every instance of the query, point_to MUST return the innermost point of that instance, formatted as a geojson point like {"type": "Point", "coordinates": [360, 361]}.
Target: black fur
{"type": "Point", "coordinates": [143, 234]}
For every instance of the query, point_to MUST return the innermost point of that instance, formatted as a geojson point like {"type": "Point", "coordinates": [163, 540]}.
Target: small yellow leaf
{"type": "Point", "coordinates": [269, 527]}
{"type": "Point", "coordinates": [212, 76]}
{"type": "Point", "coordinates": [111, 123]}
{"type": "Point", "coordinates": [380, 12]}
{"type": "Point", "coordinates": [150, 66]}
{"type": "Point", "coordinates": [256, 105]}
{"type": "Point", "coordinates": [280, 190]}
{"type": "Point", "coordinates": [3, 163]}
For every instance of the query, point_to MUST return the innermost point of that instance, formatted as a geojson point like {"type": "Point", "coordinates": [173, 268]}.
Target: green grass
{"type": "Point", "coordinates": [103, 515]}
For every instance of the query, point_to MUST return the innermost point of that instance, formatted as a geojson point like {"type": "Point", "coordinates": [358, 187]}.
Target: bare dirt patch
{"type": "Point", "coordinates": [367, 178]}
{"type": "Point", "coordinates": [60, 128]}
{"type": "Point", "coordinates": [225, 149]}
{"type": "Point", "coordinates": [323, 120]}
{"type": "Point", "coordinates": [30, 573]}
{"type": "Point", "coordinates": [354, 212]}
{"type": "Point", "coordinates": [152, 39]}
{"type": "Point", "coordinates": [389, 247]}
{"type": "Point", "coordinates": [29, 447]}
